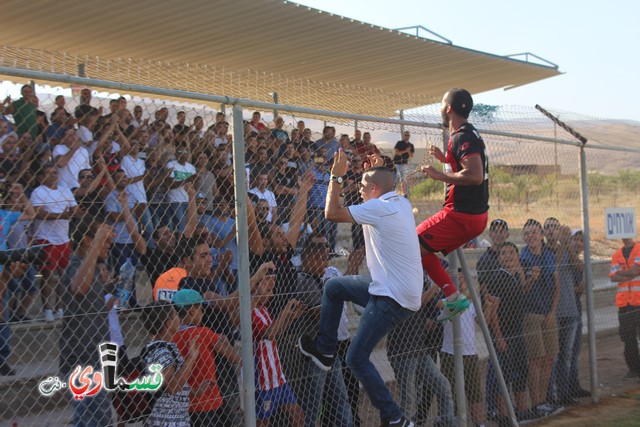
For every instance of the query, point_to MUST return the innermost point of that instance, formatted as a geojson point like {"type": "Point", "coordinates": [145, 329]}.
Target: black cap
{"type": "Point", "coordinates": [499, 223]}
{"type": "Point", "coordinates": [461, 101]}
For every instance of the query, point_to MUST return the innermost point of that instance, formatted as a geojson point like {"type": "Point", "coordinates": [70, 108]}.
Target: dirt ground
{"type": "Point", "coordinates": [619, 399]}
{"type": "Point", "coordinates": [619, 403]}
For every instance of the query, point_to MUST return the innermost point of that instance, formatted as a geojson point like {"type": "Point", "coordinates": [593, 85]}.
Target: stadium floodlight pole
{"type": "Point", "coordinates": [588, 273]}
{"type": "Point", "coordinates": [242, 236]}
{"type": "Point", "coordinates": [482, 322]}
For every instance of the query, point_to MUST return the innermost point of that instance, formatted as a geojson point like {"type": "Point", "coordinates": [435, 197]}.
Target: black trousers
{"type": "Point", "coordinates": [629, 320]}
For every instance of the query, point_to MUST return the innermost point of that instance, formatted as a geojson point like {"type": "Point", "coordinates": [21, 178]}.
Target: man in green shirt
{"type": "Point", "coordinates": [24, 112]}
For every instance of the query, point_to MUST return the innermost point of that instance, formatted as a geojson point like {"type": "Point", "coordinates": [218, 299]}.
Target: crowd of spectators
{"type": "Point", "coordinates": [97, 188]}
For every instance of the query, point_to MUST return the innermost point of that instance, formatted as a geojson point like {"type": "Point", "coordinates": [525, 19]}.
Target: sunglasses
{"type": "Point", "coordinates": [87, 176]}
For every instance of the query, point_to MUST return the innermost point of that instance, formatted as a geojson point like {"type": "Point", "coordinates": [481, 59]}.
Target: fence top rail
{"type": "Point", "coordinates": [173, 93]}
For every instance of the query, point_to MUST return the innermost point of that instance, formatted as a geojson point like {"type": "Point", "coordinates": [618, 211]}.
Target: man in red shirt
{"type": "Point", "coordinates": [206, 406]}
{"type": "Point", "coordinates": [464, 215]}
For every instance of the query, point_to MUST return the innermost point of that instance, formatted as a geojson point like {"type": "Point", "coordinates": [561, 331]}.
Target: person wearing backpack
{"type": "Point", "coordinates": [207, 407]}
{"type": "Point", "coordinates": [171, 406]}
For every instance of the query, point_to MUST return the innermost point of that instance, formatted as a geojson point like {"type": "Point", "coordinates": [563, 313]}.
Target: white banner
{"type": "Point", "coordinates": [620, 223]}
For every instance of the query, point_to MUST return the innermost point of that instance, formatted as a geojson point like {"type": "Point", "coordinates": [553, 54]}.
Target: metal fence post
{"type": "Point", "coordinates": [242, 236]}
{"type": "Point", "coordinates": [458, 362]}
{"type": "Point", "coordinates": [482, 322]}
{"type": "Point", "coordinates": [591, 330]}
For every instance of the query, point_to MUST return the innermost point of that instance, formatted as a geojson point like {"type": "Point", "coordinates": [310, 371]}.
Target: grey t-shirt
{"type": "Point", "coordinates": [84, 326]}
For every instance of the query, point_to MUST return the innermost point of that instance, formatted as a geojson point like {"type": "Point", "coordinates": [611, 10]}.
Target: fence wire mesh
{"type": "Point", "coordinates": [102, 179]}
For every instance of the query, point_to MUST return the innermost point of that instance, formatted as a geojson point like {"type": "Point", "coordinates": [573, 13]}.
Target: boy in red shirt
{"type": "Point", "coordinates": [206, 406]}
{"type": "Point", "coordinates": [272, 389]}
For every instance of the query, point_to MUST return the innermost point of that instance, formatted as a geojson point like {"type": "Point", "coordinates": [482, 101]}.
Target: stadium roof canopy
{"type": "Point", "coordinates": [249, 49]}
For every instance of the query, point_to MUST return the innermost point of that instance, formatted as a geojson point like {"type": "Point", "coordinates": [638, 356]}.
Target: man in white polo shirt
{"type": "Point", "coordinates": [70, 158]}
{"type": "Point", "coordinates": [390, 295]}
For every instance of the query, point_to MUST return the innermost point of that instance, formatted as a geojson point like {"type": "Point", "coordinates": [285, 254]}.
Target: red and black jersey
{"type": "Point", "coordinates": [471, 199]}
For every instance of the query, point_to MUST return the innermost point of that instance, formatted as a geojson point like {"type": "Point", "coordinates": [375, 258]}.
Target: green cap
{"type": "Point", "coordinates": [186, 297]}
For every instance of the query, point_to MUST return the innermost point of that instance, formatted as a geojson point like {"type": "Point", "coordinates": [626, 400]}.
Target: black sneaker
{"type": "Point", "coordinates": [307, 346]}
{"type": "Point", "coordinates": [567, 401]}
{"type": "Point", "coordinates": [580, 393]}
{"type": "Point", "coordinates": [402, 422]}
{"type": "Point", "coordinates": [528, 415]}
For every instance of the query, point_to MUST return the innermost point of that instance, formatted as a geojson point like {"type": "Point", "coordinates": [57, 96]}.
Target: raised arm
{"type": "Point", "coordinates": [192, 213]}
{"type": "Point", "coordinates": [22, 203]}
{"type": "Point", "coordinates": [333, 211]}
{"type": "Point", "coordinates": [256, 245]}
{"type": "Point", "coordinates": [293, 310]}
{"type": "Point", "coordinates": [62, 161]}
{"type": "Point", "coordinates": [299, 209]}
{"type": "Point", "coordinates": [82, 280]}
{"type": "Point", "coordinates": [138, 241]}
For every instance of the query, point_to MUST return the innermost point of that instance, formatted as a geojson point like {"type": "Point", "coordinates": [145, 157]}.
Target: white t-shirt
{"type": "Point", "coordinates": [269, 197]}
{"type": "Point", "coordinates": [68, 175]}
{"type": "Point", "coordinates": [393, 251]}
{"type": "Point", "coordinates": [468, 326]}
{"type": "Point", "coordinates": [55, 231]}
{"type": "Point", "coordinates": [134, 168]}
{"type": "Point", "coordinates": [180, 173]}
{"type": "Point", "coordinates": [220, 140]}
{"type": "Point", "coordinates": [85, 135]}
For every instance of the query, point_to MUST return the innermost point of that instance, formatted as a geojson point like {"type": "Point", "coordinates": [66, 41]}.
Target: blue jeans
{"type": "Point", "coordinates": [574, 382]}
{"type": "Point", "coordinates": [92, 411]}
{"type": "Point", "coordinates": [381, 314]}
{"type": "Point", "coordinates": [402, 176]}
{"type": "Point", "coordinates": [311, 401]}
{"type": "Point", "coordinates": [417, 372]}
{"type": "Point", "coordinates": [561, 375]}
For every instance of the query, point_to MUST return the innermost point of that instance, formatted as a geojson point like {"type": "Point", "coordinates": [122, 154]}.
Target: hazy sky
{"type": "Point", "coordinates": [594, 42]}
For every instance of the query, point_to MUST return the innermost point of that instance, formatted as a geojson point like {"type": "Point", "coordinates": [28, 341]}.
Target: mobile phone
{"type": "Point", "coordinates": [318, 160]}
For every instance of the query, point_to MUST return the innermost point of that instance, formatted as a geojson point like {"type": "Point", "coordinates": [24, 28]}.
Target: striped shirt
{"type": "Point", "coordinates": [269, 373]}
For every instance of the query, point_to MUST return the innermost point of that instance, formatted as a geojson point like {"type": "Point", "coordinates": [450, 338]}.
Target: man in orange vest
{"type": "Point", "coordinates": [625, 270]}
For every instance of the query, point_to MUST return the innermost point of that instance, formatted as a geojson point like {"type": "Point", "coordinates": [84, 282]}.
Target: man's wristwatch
{"type": "Point", "coordinates": [337, 179]}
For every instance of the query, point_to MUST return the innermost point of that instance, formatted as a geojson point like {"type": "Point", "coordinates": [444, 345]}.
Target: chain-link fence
{"type": "Point", "coordinates": [134, 201]}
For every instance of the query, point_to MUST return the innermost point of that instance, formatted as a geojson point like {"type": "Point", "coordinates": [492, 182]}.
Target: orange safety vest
{"type": "Point", "coordinates": [628, 292]}
{"type": "Point", "coordinates": [167, 284]}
